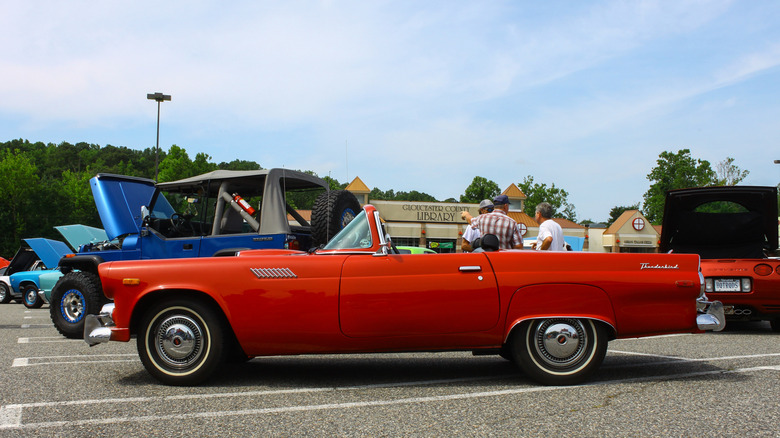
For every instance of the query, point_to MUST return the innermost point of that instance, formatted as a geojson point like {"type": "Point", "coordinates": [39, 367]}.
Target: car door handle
{"type": "Point", "coordinates": [470, 269]}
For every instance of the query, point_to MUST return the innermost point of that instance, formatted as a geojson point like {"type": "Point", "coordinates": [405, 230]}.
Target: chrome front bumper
{"type": "Point", "coordinates": [42, 295]}
{"type": "Point", "coordinates": [711, 316]}
{"type": "Point", "coordinates": [97, 328]}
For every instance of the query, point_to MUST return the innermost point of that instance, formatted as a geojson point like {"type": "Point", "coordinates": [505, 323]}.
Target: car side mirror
{"type": "Point", "coordinates": [144, 215]}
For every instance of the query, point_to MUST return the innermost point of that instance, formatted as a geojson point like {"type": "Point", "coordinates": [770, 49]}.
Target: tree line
{"type": "Point", "coordinates": [44, 185]}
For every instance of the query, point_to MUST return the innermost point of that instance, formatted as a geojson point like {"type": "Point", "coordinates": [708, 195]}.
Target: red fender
{"type": "Point", "coordinates": [559, 300]}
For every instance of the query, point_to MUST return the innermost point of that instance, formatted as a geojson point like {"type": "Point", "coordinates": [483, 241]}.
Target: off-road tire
{"type": "Point", "coordinates": [76, 295]}
{"type": "Point", "coordinates": [332, 211]}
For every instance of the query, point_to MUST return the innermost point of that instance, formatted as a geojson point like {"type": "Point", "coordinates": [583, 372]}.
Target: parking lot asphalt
{"type": "Point", "coordinates": [714, 384]}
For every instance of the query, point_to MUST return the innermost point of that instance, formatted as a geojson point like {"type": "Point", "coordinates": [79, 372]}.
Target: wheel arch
{"type": "Point", "coordinates": [86, 263]}
{"type": "Point", "coordinates": [560, 300]}
{"type": "Point", "coordinates": [152, 298]}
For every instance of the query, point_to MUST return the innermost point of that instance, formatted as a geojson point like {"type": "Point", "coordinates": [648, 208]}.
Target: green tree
{"type": "Point", "coordinates": [616, 211]}
{"type": "Point", "coordinates": [729, 174]}
{"type": "Point", "coordinates": [674, 171]}
{"type": "Point", "coordinates": [414, 196]}
{"type": "Point", "coordinates": [176, 165]}
{"type": "Point", "coordinates": [239, 165]}
{"type": "Point", "coordinates": [479, 189]}
{"type": "Point", "coordinates": [557, 197]}
{"type": "Point", "coordinates": [17, 189]}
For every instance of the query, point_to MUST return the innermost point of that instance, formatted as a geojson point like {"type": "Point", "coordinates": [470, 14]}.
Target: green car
{"type": "Point", "coordinates": [415, 250]}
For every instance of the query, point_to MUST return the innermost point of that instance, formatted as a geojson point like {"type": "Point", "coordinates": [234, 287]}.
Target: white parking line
{"type": "Point", "coordinates": [11, 415]}
{"type": "Point", "coordinates": [79, 359]}
{"type": "Point", "coordinates": [46, 339]}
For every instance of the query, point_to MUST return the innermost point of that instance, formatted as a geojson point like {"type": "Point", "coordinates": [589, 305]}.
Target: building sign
{"type": "Point", "coordinates": [523, 229]}
{"type": "Point", "coordinates": [426, 212]}
{"type": "Point", "coordinates": [639, 224]}
{"type": "Point", "coordinates": [442, 245]}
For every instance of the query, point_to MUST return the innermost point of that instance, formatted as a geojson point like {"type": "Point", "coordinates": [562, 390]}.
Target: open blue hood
{"type": "Point", "coordinates": [119, 200]}
{"type": "Point", "coordinates": [49, 251]}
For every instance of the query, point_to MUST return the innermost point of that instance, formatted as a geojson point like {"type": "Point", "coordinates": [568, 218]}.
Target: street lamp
{"type": "Point", "coordinates": [159, 97]}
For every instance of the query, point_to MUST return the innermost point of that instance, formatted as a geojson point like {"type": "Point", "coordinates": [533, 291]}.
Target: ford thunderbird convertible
{"type": "Point", "coordinates": [550, 313]}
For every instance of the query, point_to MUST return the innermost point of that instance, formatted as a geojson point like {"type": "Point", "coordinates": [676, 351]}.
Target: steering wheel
{"type": "Point", "coordinates": [179, 223]}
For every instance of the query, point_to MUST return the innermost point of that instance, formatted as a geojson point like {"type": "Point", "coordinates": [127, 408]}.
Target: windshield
{"type": "Point", "coordinates": [162, 209]}
{"type": "Point", "coordinates": [356, 235]}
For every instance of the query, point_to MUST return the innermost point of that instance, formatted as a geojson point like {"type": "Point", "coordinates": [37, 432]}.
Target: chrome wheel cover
{"type": "Point", "coordinates": [72, 306]}
{"type": "Point", "coordinates": [178, 340]}
{"type": "Point", "coordinates": [30, 295]}
{"type": "Point", "coordinates": [560, 343]}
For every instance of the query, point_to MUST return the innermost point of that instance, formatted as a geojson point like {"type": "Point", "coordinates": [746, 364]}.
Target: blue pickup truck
{"type": "Point", "coordinates": [217, 213]}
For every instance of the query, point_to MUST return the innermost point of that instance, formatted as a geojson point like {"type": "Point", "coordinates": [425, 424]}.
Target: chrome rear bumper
{"type": "Point", "coordinates": [711, 316]}
{"type": "Point", "coordinates": [97, 328]}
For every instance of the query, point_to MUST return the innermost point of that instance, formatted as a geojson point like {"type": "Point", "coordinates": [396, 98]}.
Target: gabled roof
{"type": "Point", "coordinates": [513, 192]}
{"type": "Point", "coordinates": [522, 218]}
{"type": "Point", "coordinates": [358, 186]}
{"type": "Point", "coordinates": [627, 217]}
{"type": "Point", "coordinates": [565, 223]}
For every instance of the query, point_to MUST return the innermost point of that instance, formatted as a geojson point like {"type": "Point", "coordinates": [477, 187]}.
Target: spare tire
{"type": "Point", "coordinates": [332, 211]}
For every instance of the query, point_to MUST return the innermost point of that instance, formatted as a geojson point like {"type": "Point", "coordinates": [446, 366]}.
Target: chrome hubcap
{"type": "Point", "coordinates": [179, 341]}
{"type": "Point", "coordinates": [560, 342]}
{"type": "Point", "coordinates": [73, 306]}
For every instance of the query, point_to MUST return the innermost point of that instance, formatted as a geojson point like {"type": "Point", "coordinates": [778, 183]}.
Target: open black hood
{"type": "Point", "coordinates": [693, 224]}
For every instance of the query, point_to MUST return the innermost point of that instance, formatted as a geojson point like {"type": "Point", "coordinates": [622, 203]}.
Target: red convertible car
{"type": "Point", "coordinates": [551, 313]}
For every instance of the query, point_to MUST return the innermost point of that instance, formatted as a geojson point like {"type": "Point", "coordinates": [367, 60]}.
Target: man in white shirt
{"type": "Point", "coordinates": [550, 236]}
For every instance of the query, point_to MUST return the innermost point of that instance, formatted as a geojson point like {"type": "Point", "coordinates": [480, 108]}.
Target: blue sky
{"type": "Point", "coordinates": [408, 95]}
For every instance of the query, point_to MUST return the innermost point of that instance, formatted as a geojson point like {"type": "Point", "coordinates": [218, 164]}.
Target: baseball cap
{"type": "Point", "coordinates": [486, 203]}
{"type": "Point", "coordinates": [501, 200]}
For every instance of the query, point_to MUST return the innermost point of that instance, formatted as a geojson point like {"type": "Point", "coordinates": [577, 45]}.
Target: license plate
{"type": "Point", "coordinates": [727, 285]}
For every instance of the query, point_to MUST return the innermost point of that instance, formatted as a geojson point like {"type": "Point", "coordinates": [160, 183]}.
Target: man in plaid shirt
{"type": "Point", "coordinates": [500, 224]}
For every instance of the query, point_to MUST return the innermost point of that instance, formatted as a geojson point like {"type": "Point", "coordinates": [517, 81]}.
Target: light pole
{"type": "Point", "coordinates": [159, 97]}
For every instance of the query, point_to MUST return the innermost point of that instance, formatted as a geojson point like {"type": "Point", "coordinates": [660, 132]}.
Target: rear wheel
{"type": "Point", "coordinates": [332, 211]}
{"type": "Point", "coordinates": [75, 295]}
{"type": "Point", "coordinates": [559, 351]}
{"type": "Point", "coordinates": [5, 293]}
{"type": "Point", "coordinates": [30, 296]}
{"type": "Point", "coordinates": [182, 341]}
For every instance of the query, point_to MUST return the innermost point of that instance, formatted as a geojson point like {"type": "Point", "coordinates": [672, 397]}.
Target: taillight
{"type": "Point", "coordinates": [294, 244]}
{"type": "Point", "coordinates": [763, 269]}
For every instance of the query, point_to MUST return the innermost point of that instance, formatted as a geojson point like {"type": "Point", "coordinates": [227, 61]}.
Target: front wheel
{"type": "Point", "coordinates": [75, 295]}
{"type": "Point", "coordinates": [559, 351]}
{"type": "Point", "coordinates": [30, 296]}
{"type": "Point", "coordinates": [182, 342]}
